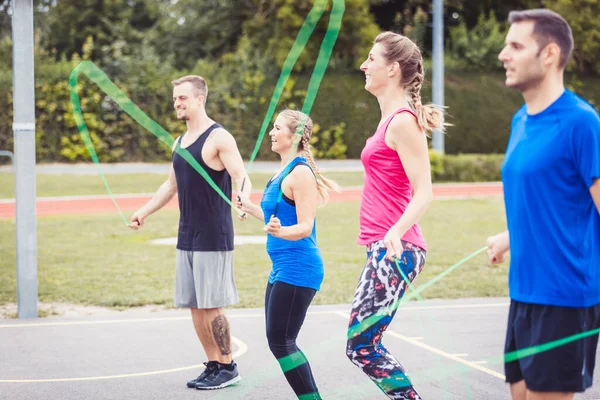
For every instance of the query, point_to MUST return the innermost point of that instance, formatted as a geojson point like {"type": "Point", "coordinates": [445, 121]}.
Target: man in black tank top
{"type": "Point", "coordinates": [204, 277]}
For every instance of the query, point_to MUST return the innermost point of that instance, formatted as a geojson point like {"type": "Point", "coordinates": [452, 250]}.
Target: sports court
{"type": "Point", "coordinates": [450, 348]}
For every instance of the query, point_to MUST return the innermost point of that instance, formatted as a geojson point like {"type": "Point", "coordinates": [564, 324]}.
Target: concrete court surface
{"type": "Point", "coordinates": [450, 348]}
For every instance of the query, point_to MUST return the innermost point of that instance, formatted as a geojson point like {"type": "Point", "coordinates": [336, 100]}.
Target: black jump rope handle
{"type": "Point", "coordinates": [239, 198]}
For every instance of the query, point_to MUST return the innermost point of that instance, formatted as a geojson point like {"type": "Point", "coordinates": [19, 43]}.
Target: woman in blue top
{"type": "Point", "coordinates": [289, 204]}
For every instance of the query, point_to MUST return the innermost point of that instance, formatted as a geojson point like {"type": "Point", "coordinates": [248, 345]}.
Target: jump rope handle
{"type": "Point", "coordinates": [239, 198]}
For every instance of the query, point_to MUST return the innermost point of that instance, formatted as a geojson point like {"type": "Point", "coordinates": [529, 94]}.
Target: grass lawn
{"type": "Point", "coordinates": [95, 260]}
{"type": "Point", "coordinates": [72, 185]}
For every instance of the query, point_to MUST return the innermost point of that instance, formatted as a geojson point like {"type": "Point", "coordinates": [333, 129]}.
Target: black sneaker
{"type": "Point", "coordinates": [210, 366]}
{"type": "Point", "coordinates": [219, 378]}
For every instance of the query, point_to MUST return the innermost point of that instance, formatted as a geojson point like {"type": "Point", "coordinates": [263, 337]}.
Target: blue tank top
{"type": "Point", "coordinates": [297, 262]}
{"type": "Point", "coordinates": [205, 222]}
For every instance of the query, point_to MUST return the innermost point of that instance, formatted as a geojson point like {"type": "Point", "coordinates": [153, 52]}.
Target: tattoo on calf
{"type": "Point", "coordinates": [220, 330]}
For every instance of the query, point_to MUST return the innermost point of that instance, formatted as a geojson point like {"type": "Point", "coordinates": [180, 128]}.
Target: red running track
{"type": "Point", "coordinates": [101, 204]}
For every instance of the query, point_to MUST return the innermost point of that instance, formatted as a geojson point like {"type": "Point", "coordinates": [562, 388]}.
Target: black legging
{"type": "Point", "coordinates": [285, 309]}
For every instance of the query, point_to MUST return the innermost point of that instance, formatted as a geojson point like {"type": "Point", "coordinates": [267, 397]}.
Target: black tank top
{"type": "Point", "coordinates": [205, 222]}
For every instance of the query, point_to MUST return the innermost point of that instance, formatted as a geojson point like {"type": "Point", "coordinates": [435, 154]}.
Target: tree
{"type": "Point", "coordinates": [469, 11]}
{"type": "Point", "coordinates": [582, 15]}
{"type": "Point", "coordinates": [195, 30]}
{"type": "Point", "coordinates": [40, 8]}
{"type": "Point", "coordinates": [5, 21]}
{"type": "Point", "coordinates": [71, 22]}
{"type": "Point", "coordinates": [402, 15]}
{"type": "Point", "coordinates": [190, 30]}
{"type": "Point", "coordinates": [274, 24]}
{"type": "Point", "coordinates": [417, 29]}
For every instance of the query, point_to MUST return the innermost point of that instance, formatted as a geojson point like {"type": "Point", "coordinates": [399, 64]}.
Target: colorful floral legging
{"type": "Point", "coordinates": [380, 287]}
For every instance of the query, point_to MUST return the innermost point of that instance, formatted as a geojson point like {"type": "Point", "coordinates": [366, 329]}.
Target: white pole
{"type": "Point", "coordinates": [438, 68]}
{"type": "Point", "coordinates": [24, 139]}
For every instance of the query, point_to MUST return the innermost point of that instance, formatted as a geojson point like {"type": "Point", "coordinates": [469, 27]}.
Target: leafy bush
{"type": "Point", "coordinates": [465, 167]}
{"type": "Point", "coordinates": [329, 143]}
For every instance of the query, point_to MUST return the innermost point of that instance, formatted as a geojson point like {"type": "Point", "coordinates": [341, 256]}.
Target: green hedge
{"type": "Point", "coordinates": [465, 167]}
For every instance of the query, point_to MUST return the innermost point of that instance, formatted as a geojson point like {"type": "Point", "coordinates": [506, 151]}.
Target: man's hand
{"type": "Point", "coordinates": [241, 200]}
{"type": "Point", "coordinates": [137, 220]}
{"type": "Point", "coordinates": [498, 246]}
{"type": "Point", "coordinates": [244, 204]}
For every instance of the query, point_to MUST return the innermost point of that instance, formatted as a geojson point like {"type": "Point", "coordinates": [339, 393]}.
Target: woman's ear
{"type": "Point", "coordinates": [394, 69]}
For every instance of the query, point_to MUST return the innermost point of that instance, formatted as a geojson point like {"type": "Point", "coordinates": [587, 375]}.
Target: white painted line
{"type": "Point", "coordinates": [416, 338]}
{"type": "Point", "coordinates": [97, 197]}
{"type": "Point", "coordinates": [242, 349]}
{"type": "Point", "coordinates": [447, 355]}
{"type": "Point", "coordinates": [260, 315]}
{"type": "Point", "coordinates": [480, 362]}
{"type": "Point", "coordinates": [119, 321]}
{"type": "Point", "coordinates": [438, 351]}
{"type": "Point", "coordinates": [454, 306]}
{"type": "Point", "coordinates": [108, 321]}
{"type": "Point", "coordinates": [460, 355]}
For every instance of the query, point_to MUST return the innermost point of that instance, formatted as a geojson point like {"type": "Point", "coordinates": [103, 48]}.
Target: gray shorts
{"type": "Point", "coordinates": [204, 279]}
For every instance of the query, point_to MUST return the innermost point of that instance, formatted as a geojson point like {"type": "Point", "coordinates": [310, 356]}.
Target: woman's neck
{"type": "Point", "coordinates": [391, 100]}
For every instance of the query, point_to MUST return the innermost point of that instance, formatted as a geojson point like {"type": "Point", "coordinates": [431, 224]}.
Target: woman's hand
{"type": "Point", "coordinates": [393, 244]}
{"type": "Point", "coordinates": [273, 227]}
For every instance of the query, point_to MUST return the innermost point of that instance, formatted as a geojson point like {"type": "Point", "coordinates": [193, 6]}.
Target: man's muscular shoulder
{"type": "Point", "coordinates": [221, 139]}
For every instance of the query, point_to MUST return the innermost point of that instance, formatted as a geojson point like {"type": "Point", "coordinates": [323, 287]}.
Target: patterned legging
{"type": "Point", "coordinates": [380, 286]}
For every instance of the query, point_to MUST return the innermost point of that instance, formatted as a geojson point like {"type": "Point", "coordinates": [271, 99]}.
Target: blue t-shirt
{"type": "Point", "coordinates": [551, 161]}
{"type": "Point", "coordinates": [296, 262]}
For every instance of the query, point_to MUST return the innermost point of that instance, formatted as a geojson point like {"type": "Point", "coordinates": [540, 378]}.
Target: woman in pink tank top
{"type": "Point", "coordinates": [397, 191]}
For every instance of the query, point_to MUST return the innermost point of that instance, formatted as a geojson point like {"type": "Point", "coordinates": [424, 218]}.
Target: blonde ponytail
{"type": "Point", "coordinates": [323, 184]}
{"type": "Point", "coordinates": [428, 116]}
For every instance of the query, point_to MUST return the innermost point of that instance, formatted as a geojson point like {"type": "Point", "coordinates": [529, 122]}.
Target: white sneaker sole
{"type": "Point", "coordinates": [222, 385]}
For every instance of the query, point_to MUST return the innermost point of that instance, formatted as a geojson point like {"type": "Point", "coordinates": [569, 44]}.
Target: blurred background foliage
{"type": "Point", "coordinates": [239, 46]}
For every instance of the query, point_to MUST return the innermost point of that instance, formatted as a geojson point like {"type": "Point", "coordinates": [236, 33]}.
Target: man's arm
{"type": "Point", "coordinates": [163, 195]}
{"type": "Point", "coordinates": [231, 158]}
{"type": "Point", "coordinates": [595, 192]}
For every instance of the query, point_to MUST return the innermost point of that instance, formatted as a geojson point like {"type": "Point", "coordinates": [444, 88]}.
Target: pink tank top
{"type": "Point", "coordinates": [386, 192]}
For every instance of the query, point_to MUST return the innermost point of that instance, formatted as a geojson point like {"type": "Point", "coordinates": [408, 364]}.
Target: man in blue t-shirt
{"type": "Point", "coordinates": [552, 198]}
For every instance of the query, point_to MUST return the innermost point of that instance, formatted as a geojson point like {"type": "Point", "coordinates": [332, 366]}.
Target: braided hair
{"type": "Point", "coordinates": [400, 49]}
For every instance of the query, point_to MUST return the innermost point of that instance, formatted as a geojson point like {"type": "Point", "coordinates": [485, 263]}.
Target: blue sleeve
{"type": "Point", "coordinates": [586, 147]}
